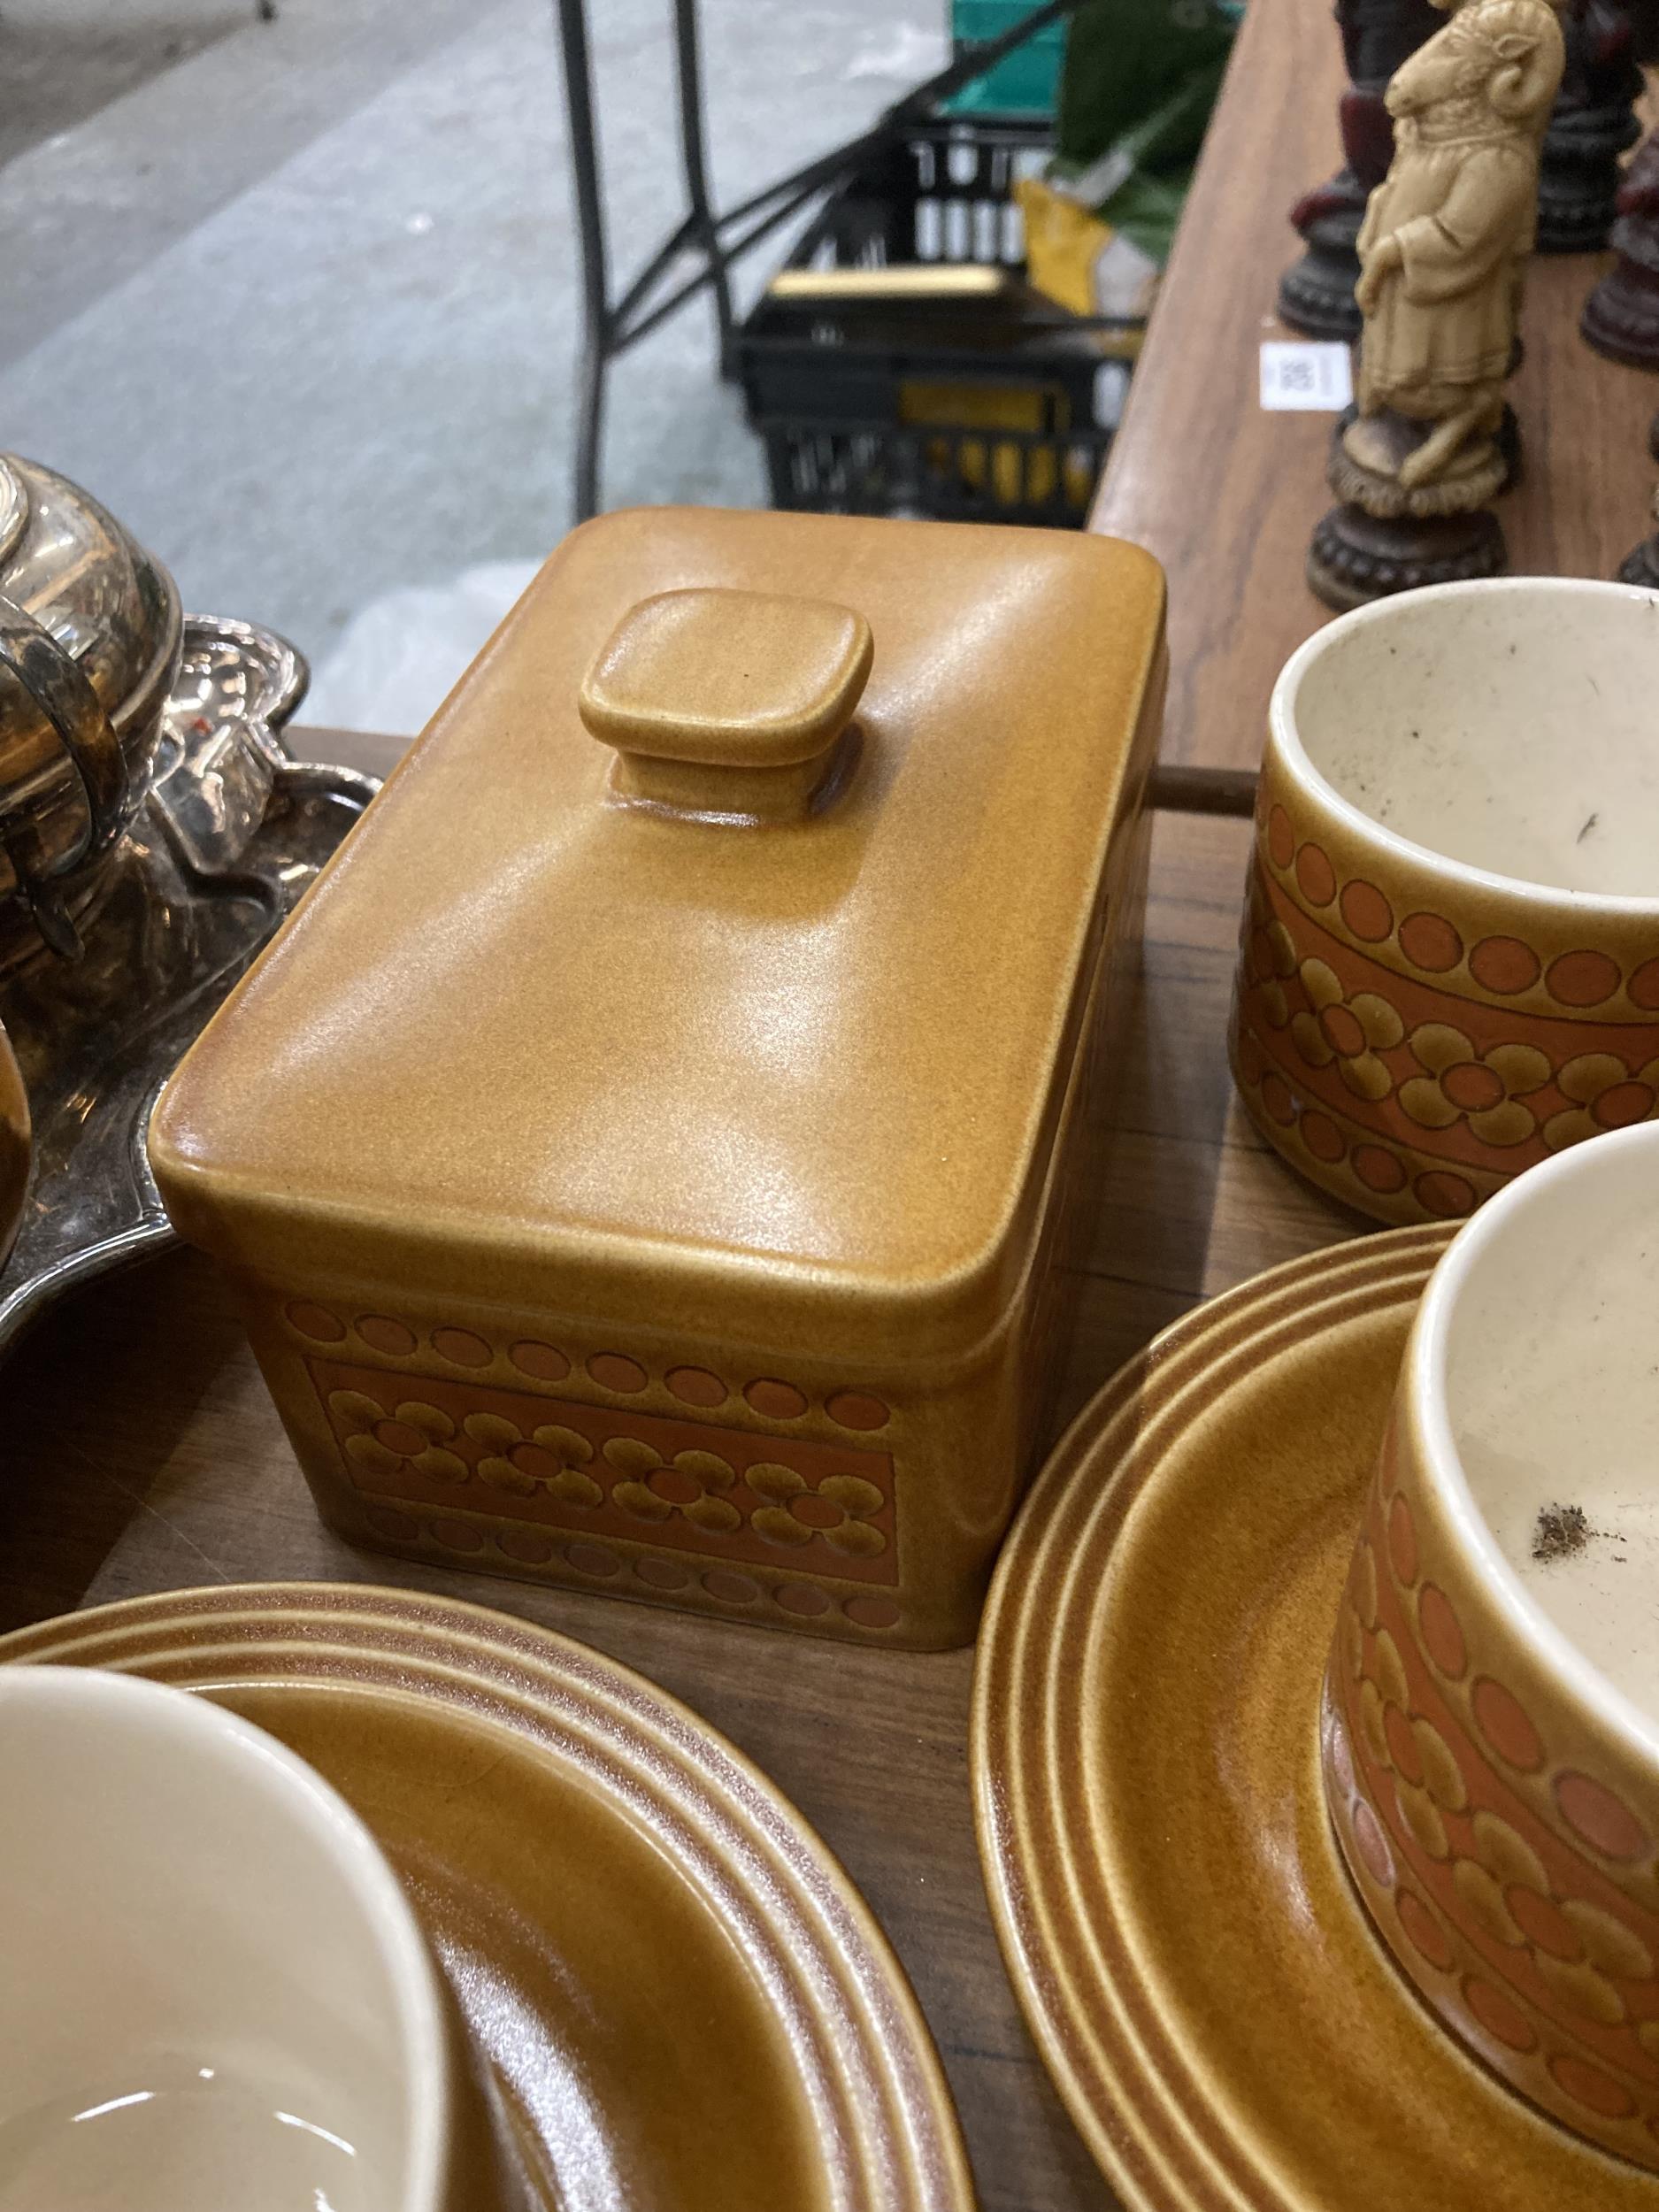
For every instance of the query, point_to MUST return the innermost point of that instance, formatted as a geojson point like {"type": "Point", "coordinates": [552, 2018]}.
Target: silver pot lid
{"type": "Point", "coordinates": [89, 638]}
{"type": "Point", "coordinates": [65, 560]}
{"type": "Point", "coordinates": [14, 510]}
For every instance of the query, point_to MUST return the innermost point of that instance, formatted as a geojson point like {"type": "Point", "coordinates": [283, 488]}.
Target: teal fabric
{"type": "Point", "coordinates": [1025, 82]}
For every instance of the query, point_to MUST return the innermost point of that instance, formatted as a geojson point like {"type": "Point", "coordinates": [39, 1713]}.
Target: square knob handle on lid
{"type": "Point", "coordinates": [734, 704]}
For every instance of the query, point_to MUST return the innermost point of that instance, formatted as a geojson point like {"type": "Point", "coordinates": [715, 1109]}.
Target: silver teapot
{"type": "Point", "coordinates": [90, 637]}
{"type": "Point", "coordinates": [154, 832]}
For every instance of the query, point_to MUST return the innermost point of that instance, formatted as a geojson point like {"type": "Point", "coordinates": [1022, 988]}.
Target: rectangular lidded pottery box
{"type": "Point", "coordinates": [642, 1160]}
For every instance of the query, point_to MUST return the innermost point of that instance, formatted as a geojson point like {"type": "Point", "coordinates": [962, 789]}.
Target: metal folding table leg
{"type": "Point", "coordinates": [610, 326]}
{"type": "Point", "coordinates": [590, 222]}
{"type": "Point", "coordinates": [691, 137]}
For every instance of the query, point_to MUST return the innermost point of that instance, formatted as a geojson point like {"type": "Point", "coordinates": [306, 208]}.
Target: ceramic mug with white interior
{"type": "Point", "coordinates": [1449, 962]}
{"type": "Point", "coordinates": [1491, 1727]}
{"type": "Point", "coordinates": [212, 1988]}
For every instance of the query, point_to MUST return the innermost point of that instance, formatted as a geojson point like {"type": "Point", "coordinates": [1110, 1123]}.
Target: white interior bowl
{"type": "Point", "coordinates": [1491, 1740]}
{"type": "Point", "coordinates": [1537, 1384]}
{"type": "Point", "coordinates": [213, 1992]}
{"type": "Point", "coordinates": [1507, 725]}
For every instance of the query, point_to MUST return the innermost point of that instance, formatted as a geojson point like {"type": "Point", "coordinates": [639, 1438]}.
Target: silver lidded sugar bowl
{"type": "Point", "coordinates": [91, 632]}
{"type": "Point", "coordinates": [154, 832]}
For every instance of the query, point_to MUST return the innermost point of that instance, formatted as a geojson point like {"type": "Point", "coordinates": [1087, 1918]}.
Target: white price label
{"type": "Point", "coordinates": [1305, 376]}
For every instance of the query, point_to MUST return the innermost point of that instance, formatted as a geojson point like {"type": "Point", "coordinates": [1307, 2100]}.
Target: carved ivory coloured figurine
{"type": "Point", "coordinates": [1442, 254]}
{"type": "Point", "coordinates": [1443, 246]}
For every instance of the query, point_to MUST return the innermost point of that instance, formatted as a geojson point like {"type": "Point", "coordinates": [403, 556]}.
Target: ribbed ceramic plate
{"type": "Point", "coordinates": [688, 2005]}
{"type": "Point", "coordinates": [1226, 2029]}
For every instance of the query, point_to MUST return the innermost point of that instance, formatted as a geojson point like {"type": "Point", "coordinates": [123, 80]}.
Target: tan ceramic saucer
{"type": "Point", "coordinates": [14, 1147]}
{"type": "Point", "coordinates": [687, 2001]}
{"type": "Point", "coordinates": [1224, 2029]}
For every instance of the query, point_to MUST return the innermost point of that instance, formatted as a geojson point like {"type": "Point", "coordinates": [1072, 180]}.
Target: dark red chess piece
{"type": "Point", "coordinates": [1316, 295]}
{"type": "Point", "coordinates": [1642, 566]}
{"type": "Point", "coordinates": [1621, 316]}
{"type": "Point", "coordinates": [1593, 124]}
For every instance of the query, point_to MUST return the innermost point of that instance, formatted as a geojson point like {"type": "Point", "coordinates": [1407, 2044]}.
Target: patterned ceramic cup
{"type": "Point", "coordinates": [1491, 1718]}
{"type": "Point", "coordinates": [1450, 966]}
{"type": "Point", "coordinates": [212, 1988]}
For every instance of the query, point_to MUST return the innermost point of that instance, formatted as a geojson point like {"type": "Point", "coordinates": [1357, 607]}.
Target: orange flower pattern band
{"type": "Point", "coordinates": [1415, 1089]}
{"type": "Point", "coordinates": [1519, 1893]}
{"type": "Point", "coordinates": [444, 1449]}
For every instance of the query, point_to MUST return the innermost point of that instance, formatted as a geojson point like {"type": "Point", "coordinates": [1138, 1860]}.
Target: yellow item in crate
{"type": "Point", "coordinates": [1075, 257]}
{"type": "Point", "coordinates": [1017, 471]}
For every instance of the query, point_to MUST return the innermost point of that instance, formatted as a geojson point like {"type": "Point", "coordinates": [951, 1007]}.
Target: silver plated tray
{"type": "Point", "coordinates": [232, 832]}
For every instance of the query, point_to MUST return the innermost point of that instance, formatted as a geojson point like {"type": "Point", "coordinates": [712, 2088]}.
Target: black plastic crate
{"type": "Point", "coordinates": [994, 409]}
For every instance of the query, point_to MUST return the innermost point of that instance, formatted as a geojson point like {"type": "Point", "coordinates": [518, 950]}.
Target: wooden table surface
{"type": "Point", "coordinates": [141, 1450]}
{"type": "Point", "coordinates": [1227, 496]}
{"type": "Point", "coordinates": [141, 1453]}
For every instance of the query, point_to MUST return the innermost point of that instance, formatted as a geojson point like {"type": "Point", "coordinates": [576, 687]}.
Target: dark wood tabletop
{"type": "Point", "coordinates": [1227, 496]}
{"type": "Point", "coordinates": [141, 1453]}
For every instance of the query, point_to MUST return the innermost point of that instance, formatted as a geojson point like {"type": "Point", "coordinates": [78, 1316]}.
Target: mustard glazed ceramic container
{"type": "Point", "coordinates": [1449, 962]}
{"type": "Point", "coordinates": [642, 1160]}
{"type": "Point", "coordinates": [1491, 1738]}
{"type": "Point", "coordinates": [219, 1991]}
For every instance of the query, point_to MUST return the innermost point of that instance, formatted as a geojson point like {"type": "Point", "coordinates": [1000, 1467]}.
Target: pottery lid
{"type": "Point", "coordinates": [727, 933]}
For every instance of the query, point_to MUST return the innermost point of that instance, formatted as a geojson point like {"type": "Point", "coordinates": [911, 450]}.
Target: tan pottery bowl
{"type": "Point", "coordinates": [1449, 963]}
{"type": "Point", "coordinates": [1491, 1724]}
{"type": "Point", "coordinates": [216, 1991]}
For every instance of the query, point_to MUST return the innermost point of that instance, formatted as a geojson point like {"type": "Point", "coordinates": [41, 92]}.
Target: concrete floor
{"type": "Point", "coordinates": [298, 300]}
